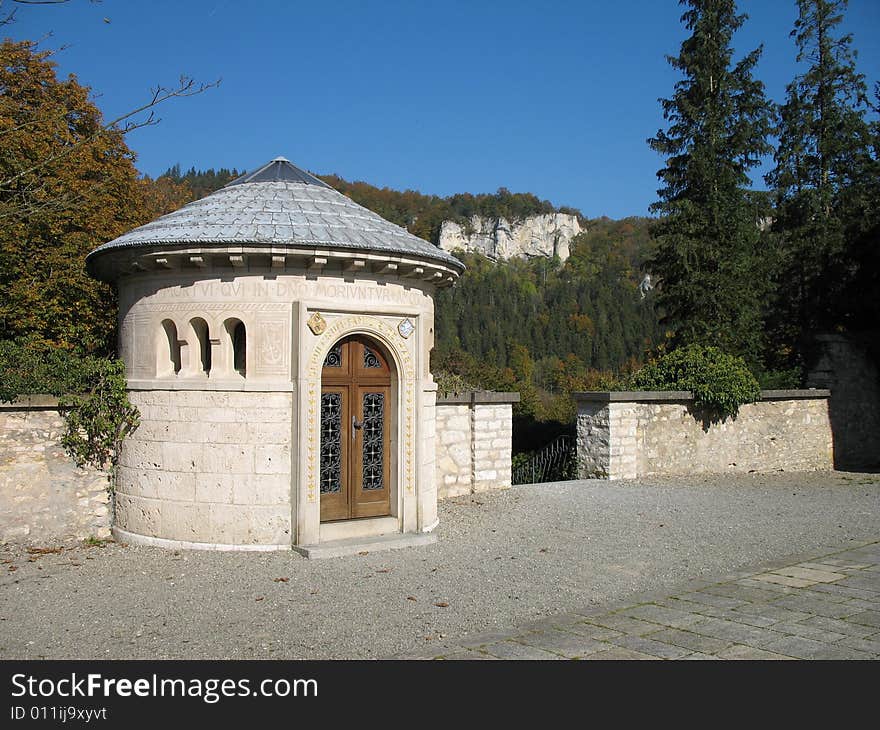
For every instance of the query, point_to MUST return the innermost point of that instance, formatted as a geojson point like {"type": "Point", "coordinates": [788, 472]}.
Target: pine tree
{"type": "Point", "coordinates": [824, 179]}
{"type": "Point", "coordinates": [707, 239]}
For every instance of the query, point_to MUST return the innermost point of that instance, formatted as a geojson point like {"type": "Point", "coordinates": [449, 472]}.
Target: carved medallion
{"type": "Point", "coordinates": [406, 328]}
{"type": "Point", "coordinates": [317, 324]}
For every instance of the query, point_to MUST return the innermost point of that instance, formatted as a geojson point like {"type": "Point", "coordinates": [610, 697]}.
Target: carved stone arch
{"type": "Point", "coordinates": [201, 328]}
{"type": "Point", "coordinates": [167, 347]}
{"type": "Point", "coordinates": [354, 325]}
{"type": "Point", "coordinates": [230, 366]}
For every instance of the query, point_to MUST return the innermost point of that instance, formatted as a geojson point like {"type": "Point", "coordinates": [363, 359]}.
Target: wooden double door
{"type": "Point", "coordinates": [355, 431]}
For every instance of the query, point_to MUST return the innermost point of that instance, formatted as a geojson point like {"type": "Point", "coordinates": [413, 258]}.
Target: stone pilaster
{"type": "Point", "coordinates": [474, 442]}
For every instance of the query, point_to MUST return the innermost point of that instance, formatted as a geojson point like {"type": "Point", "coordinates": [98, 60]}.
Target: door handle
{"type": "Point", "coordinates": [355, 424]}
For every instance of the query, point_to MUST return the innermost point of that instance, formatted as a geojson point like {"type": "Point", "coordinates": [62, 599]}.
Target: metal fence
{"type": "Point", "coordinates": [554, 463]}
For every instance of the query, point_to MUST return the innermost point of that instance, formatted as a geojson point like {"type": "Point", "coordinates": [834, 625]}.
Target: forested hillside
{"type": "Point", "coordinates": [584, 315]}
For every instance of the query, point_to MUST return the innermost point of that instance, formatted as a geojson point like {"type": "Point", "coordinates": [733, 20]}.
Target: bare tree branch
{"type": "Point", "coordinates": [25, 194]}
{"type": "Point", "coordinates": [10, 18]}
{"type": "Point", "coordinates": [186, 87]}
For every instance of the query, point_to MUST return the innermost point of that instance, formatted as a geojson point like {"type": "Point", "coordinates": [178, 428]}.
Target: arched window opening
{"type": "Point", "coordinates": [238, 336]}
{"type": "Point", "coordinates": [169, 350]}
{"type": "Point", "coordinates": [200, 327]}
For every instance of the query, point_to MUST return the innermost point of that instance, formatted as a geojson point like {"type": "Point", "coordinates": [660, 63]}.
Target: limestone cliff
{"type": "Point", "coordinates": [498, 238]}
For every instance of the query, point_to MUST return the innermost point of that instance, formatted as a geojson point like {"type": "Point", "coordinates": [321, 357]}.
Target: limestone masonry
{"type": "Point", "coordinates": [630, 435]}
{"type": "Point", "coordinates": [474, 436]}
{"type": "Point", "coordinates": [44, 497]}
{"type": "Point", "coordinates": [844, 365]}
{"type": "Point", "coordinates": [539, 235]}
{"type": "Point", "coordinates": [182, 481]}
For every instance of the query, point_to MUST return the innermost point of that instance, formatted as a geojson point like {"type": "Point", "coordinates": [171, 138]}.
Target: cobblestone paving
{"type": "Point", "coordinates": [824, 606]}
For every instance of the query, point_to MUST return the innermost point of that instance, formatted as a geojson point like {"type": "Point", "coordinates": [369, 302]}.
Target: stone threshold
{"type": "Point", "coordinates": [364, 545]}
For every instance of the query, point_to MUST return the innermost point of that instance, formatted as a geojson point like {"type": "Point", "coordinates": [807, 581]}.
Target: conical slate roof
{"type": "Point", "coordinates": [279, 170]}
{"type": "Point", "coordinates": [278, 204]}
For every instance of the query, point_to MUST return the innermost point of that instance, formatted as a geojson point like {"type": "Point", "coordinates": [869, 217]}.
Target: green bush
{"type": "Point", "coordinates": [720, 383]}
{"type": "Point", "coordinates": [92, 397]}
{"type": "Point", "coordinates": [780, 379]}
{"type": "Point", "coordinates": [28, 370]}
{"type": "Point", "coordinates": [449, 383]}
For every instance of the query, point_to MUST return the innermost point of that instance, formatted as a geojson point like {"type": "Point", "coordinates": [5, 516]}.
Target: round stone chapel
{"type": "Point", "coordinates": [276, 337]}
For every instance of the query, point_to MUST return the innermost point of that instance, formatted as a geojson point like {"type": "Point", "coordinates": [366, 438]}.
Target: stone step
{"type": "Point", "coordinates": [356, 545]}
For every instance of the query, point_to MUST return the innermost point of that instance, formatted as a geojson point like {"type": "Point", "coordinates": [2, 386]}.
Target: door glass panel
{"type": "Point", "coordinates": [373, 447]}
{"type": "Point", "coordinates": [334, 357]}
{"type": "Point", "coordinates": [370, 359]}
{"type": "Point", "coordinates": [331, 442]}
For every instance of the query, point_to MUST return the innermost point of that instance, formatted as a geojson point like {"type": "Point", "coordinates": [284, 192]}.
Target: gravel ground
{"type": "Point", "coordinates": [502, 559]}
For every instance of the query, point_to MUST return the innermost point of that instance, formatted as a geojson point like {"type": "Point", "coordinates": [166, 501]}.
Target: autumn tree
{"type": "Point", "coordinates": [67, 184]}
{"type": "Point", "coordinates": [825, 181]}
{"type": "Point", "coordinates": [707, 239]}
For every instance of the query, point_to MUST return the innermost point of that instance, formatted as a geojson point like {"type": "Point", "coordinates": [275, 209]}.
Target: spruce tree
{"type": "Point", "coordinates": [707, 255]}
{"type": "Point", "coordinates": [825, 183]}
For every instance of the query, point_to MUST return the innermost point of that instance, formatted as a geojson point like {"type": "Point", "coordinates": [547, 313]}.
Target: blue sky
{"type": "Point", "coordinates": [555, 98]}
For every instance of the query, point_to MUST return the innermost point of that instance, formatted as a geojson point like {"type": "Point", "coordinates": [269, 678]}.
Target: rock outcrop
{"type": "Point", "coordinates": [539, 235]}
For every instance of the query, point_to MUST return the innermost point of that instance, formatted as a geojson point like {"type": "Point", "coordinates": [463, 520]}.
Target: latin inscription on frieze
{"type": "Point", "coordinates": [284, 291]}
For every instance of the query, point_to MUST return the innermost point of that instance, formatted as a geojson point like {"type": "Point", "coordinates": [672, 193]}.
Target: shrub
{"type": "Point", "coordinates": [720, 383]}
{"type": "Point", "coordinates": [30, 369]}
{"type": "Point", "coordinates": [780, 379]}
{"type": "Point", "coordinates": [449, 383]}
{"type": "Point", "coordinates": [92, 397]}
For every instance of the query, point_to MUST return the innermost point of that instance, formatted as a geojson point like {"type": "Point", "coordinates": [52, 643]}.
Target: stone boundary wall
{"type": "Point", "coordinates": [845, 365]}
{"type": "Point", "coordinates": [474, 442]}
{"type": "Point", "coordinates": [627, 435]}
{"type": "Point", "coordinates": [44, 497]}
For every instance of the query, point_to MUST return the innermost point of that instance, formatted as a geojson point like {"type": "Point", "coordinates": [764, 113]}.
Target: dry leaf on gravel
{"type": "Point", "coordinates": [44, 551]}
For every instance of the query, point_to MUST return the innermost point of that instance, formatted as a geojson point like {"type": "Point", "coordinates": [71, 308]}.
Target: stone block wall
{"type": "Point", "coordinates": [631, 435]}
{"type": "Point", "coordinates": [44, 497]}
{"type": "Point", "coordinates": [221, 472]}
{"type": "Point", "coordinates": [474, 433]}
{"type": "Point", "coordinates": [844, 364]}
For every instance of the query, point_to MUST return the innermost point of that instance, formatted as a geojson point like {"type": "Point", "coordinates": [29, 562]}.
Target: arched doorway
{"type": "Point", "coordinates": [355, 431]}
